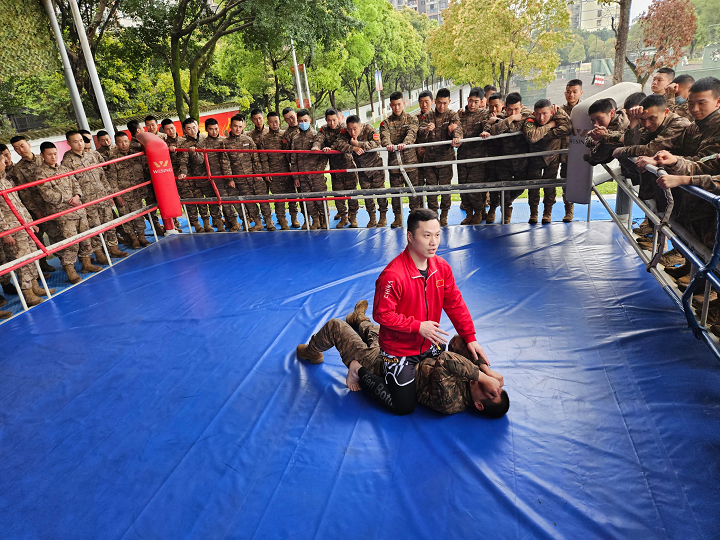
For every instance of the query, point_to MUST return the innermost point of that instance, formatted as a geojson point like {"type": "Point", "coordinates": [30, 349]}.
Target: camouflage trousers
{"type": "Point", "coordinates": [97, 215]}
{"type": "Point", "coordinates": [504, 172]}
{"type": "Point", "coordinates": [362, 347]}
{"type": "Point", "coordinates": [188, 190]}
{"type": "Point", "coordinates": [23, 246]}
{"type": "Point", "coordinates": [345, 182]}
{"type": "Point", "coordinates": [438, 176]}
{"type": "Point", "coordinates": [206, 190]}
{"type": "Point", "coordinates": [254, 186]}
{"type": "Point", "coordinates": [472, 173]}
{"type": "Point", "coordinates": [133, 202]}
{"type": "Point", "coordinates": [373, 180]}
{"type": "Point", "coordinates": [539, 169]}
{"type": "Point", "coordinates": [283, 185]}
{"type": "Point", "coordinates": [313, 183]}
{"type": "Point", "coordinates": [71, 225]}
{"type": "Point", "coordinates": [398, 180]}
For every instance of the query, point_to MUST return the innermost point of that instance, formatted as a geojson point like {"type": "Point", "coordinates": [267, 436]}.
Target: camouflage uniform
{"type": "Point", "coordinates": [515, 169]}
{"type": "Point", "coordinates": [123, 175]}
{"type": "Point", "coordinates": [146, 192]}
{"type": "Point", "coordinates": [368, 139]}
{"type": "Point", "coordinates": [256, 134]}
{"type": "Point", "coordinates": [278, 163]}
{"type": "Point", "coordinates": [219, 166]}
{"type": "Point", "coordinates": [56, 194]}
{"type": "Point", "coordinates": [186, 188]}
{"type": "Point", "coordinates": [679, 109]}
{"type": "Point", "coordinates": [325, 138]}
{"type": "Point", "coordinates": [601, 151]}
{"type": "Point", "coordinates": [23, 245]}
{"type": "Point", "coordinates": [23, 172]}
{"type": "Point", "coordinates": [566, 141]}
{"type": "Point", "coordinates": [540, 139]}
{"type": "Point", "coordinates": [198, 189]}
{"type": "Point", "coordinates": [94, 185]}
{"type": "Point", "coordinates": [401, 130]}
{"type": "Point", "coordinates": [197, 167]}
{"type": "Point", "coordinates": [441, 175]}
{"type": "Point", "coordinates": [473, 124]}
{"type": "Point", "coordinates": [422, 135]}
{"type": "Point", "coordinates": [304, 140]}
{"type": "Point", "coordinates": [105, 151]}
{"type": "Point", "coordinates": [248, 163]}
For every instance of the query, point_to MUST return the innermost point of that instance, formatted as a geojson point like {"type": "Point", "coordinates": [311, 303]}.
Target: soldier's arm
{"type": "Point", "coordinates": [48, 191]}
{"type": "Point", "coordinates": [690, 167]}
{"type": "Point", "coordinates": [411, 134]}
{"type": "Point", "coordinates": [501, 126]}
{"type": "Point", "coordinates": [707, 182]}
{"type": "Point", "coordinates": [440, 389]}
{"type": "Point", "coordinates": [384, 134]}
{"type": "Point", "coordinates": [342, 144]}
{"type": "Point", "coordinates": [76, 187]}
{"type": "Point", "coordinates": [563, 126]}
{"type": "Point", "coordinates": [458, 131]}
{"type": "Point", "coordinates": [111, 176]}
{"type": "Point", "coordinates": [456, 364]}
{"type": "Point", "coordinates": [533, 132]}
{"type": "Point", "coordinates": [372, 136]}
{"type": "Point", "coordinates": [183, 159]}
{"type": "Point", "coordinates": [319, 141]}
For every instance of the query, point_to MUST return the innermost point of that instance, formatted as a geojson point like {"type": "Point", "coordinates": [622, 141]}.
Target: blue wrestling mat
{"type": "Point", "coordinates": [162, 399]}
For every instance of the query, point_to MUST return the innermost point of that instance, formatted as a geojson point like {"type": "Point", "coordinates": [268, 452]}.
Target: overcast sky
{"type": "Point", "coordinates": [637, 7]}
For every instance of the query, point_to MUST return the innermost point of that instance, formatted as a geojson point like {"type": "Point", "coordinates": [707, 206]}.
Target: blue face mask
{"type": "Point", "coordinates": [304, 125]}
{"type": "Point", "coordinates": [679, 100]}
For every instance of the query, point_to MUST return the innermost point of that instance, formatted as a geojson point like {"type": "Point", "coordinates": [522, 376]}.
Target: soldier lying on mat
{"type": "Point", "coordinates": [448, 383]}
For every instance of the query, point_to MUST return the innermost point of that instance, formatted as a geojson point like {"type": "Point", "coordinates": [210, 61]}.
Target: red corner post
{"type": "Point", "coordinates": [163, 177]}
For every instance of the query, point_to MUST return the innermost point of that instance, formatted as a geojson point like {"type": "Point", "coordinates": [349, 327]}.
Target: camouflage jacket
{"type": "Point", "coordinates": [441, 132]}
{"type": "Point", "coordinates": [255, 134]}
{"type": "Point", "coordinates": [24, 172]}
{"type": "Point", "coordinates": [191, 167]}
{"type": "Point", "coordinates": [243, 162]}
{"type": "Point", "coordinates": [218, 161]}
{"type": "Point", "coordinates": [697, 145]}
{"type": "Point", "coordinates": [443, 383]}
{"type": "Point", "coordinates": [124, 174]}
{"type": "Point", "coordinates": [400, 130]}
{"type": "Point", "coordinates": [304, 140]}
{"type": "Point", "coordinates": [640, 142]}
{"type": "Point", "coordinates": [707, 182]}
{"type": "Point", "coordinates": [274, 163]}
{"type": "Point", "coordinates": [174, 156]}
{"type": "Point", "coordinates": [104, 151]}
{"type": "Point", "coordinates": [326, 138]}
{"type": "Point", "coordinates": [473, 124]}
{"type": "Point", "coordinates": [7, 217]}
{"type": "Point", "coordinates": [516, 144]}
{"type": "Point", "coordinates": [93, 183]}
{"type": "Point", "coordinates": [57, 193]}
{"type": "Point", "coordinates": [566, 140]}
{"type": "Point", "coordinates": [544, 138]}
{"type": "Point", "coordinates": [422, 135]}
{"type": "Point", "coordinates": [369, 138]}
{"type": "Point", "coordinates": [680, 109]}
{"type": "Point", "coordinates": [601, 151]}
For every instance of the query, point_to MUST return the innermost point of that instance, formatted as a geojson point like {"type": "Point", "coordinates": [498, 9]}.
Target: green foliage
{"type": "Point", "coordinates": [26, 43]}
{"type": "Point", "coordinates": [708, 15]}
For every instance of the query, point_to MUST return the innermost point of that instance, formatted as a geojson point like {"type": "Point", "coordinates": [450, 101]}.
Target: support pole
{"type": "Point", "coordinates": [297, 73]}
{"type": "Point", "coordinates": [94, 79]}
{"type": "Point", "coordinates": [67, 70]}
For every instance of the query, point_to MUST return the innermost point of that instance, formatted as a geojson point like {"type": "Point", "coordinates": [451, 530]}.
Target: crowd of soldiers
{"type": "Point", "coordinates": [666, 127]}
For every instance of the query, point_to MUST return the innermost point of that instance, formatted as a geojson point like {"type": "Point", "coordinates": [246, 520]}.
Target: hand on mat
{"type": "Point", "coordinates": [432, 331]}
{"type": "Point", "coordinates": [491, 385]}
{"type": "Point", "coordinates": [477, 351]}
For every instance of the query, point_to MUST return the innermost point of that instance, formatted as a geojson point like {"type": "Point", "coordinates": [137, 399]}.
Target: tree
{"type": "Point", "coordinates": [621, 27]}
{"type": "Point", "coordinates": [668, 27]}
{"type": "Point", "coordinates": [708, 15]}
{"type": "Point", "coordinates": [577, 53]}
{"type": "Point", "coordinates": [27, 46]}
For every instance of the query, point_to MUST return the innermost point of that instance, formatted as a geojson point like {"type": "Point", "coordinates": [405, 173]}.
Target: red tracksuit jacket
{"type": "Point", "coordinates": [403, 300]}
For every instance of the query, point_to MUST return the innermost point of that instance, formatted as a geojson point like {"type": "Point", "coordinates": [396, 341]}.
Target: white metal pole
{"type": "Point", "coordinates": [297, 73]}
{"type": "Point", "coordinates": [307, 86]}
{"type": "Point", "coordinates": [67, 70]}
{"type": "Point", "coordinates": [94, 79]}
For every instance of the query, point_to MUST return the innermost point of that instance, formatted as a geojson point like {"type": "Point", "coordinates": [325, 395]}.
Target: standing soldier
{"type": "Point", "coordinates": [510, 170]}
{"type": "Point", "coordinates": [290, 117]}
{"type": "Point", "coordinates": [573, 91]}
{"type": "Point", "coordinates": [61, 194]}
{"type": "Point", "coordinates": [493, 147]}
{"type": "Point", "coordinates": [260, 129]}
{"type": "Point", "coordinates": [545, 131]}
{"type": "Point", "coordinates": [324, 141]}
{"type": "Point", "coordinates": [425, 101]}
{"type": "Point", "coordinates": [356, 141]}
{"type": "Point", "coordinates": [249, 163]}
{"type": "Point", "coordinates": [123, 175]}
{"type": "Point", "coordinates": [443, 125]}
{"type": "Point", "coordinates": [94, 185]}
{"type": "Point", "coordinates": [474, 122]}
{"type": "Point", "coordinates": [193, 164]}
{"type": "Point", "coordinates": [396, 131]}
{"type": "Point", "coordinates": [17, 245]}
{"type": "Point", "coordinates": [273, 162]}
{"type": "Point", "coordinates": [151, 126]}
{"type": "Point", "coordinates": [304, 140]}
{"type": "Point", "coordinates": [147, 192]}
{"type": "Point", "coordinates": [217, 164]}
{"type": "Point", "coordinates": [23, 172]}
{"type": "Point", "coordinates": [105, 144]}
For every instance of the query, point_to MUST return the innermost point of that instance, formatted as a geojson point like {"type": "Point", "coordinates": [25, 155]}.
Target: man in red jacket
{"type": "Point", "coordinates": [410, 295]}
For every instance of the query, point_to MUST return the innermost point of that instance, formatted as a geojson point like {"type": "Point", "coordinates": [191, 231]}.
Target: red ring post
{"type": "Point", "coordinates": [163, 177]}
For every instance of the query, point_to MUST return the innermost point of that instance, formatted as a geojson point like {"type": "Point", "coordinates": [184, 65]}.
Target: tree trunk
{"type": "Point", "coordinates": [331, 95]}
{"type": "Point", "coordinates": [507, 82]}
{"type": "Point", "coordinates": [177, 82]}
{"type": "Point", "coordinates": [371, 90]}
{"type": "Point", "coordinates": [621, 37]}
{"type": "Point", "coordinates": [193, 93]}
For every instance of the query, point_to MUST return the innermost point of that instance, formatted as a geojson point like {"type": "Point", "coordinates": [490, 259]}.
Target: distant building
{"type": "Point", "coordinates": [592, 15]}
{"type": "Point", "coordinates": [431, 8]}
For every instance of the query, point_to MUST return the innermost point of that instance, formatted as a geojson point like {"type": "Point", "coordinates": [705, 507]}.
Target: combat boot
{"type": "Point", "coordinates": [294, 223]}
{"type": "Point", "coordinates": [269, 225]}
{"type": "Point", "coordinates": [87, 266]}
{"type": "Point", "coordinates": [71, 273]}
{"type": "Point", "coordinates": [645, 243]}
{"type": "Point", "coordinates": [358, 314]}
{"type": "Point", "coordinates": [341, 224]}
{"type": "Point", "coordinates": [672, 258]}
{"type": "Point", "coordinates": [547, 214]}
{"type": "Point", "coordinates": [353, 221]}
{"type": "Point", "coordinates": [304, 352]}
{"type": "Point", "coordinates": [178, 227]}
{"type": "Point", "coordinates": [373, 221]}
{"type": "Point", "coordinates": [315, 225]}
{"type": "Point", "coordinates": [196, 225]}
{"type": "Point", "coordinates": [100, 258]}
{"type": "Point", "coordinates": [31, 299]}
{"type": "Point", "coordinates": [282, 221]}
{"type": "Point", "coordinates": [39, 291]}
{"type": "Point", "coordinates": [46, 266]}
{"type": "Point", "coordinates": [115, 252]}
{"type": "Point", "coordinates": [236, 225]}
{"type": "Point", "coordinates": [645, 228]}
{"type": "Point", "coordinates": [5, 314]}
{"type": "Point", "coordinates": [207, 227]}
{"type": "Point", "coordinates": [508, 215]}
{"type": "Point", "coordinates": [142, 240]}
{"type": "Point", "coordinates": [533, 215]}
{"type": "Point", "coordinates": [257, 226]}
{"type": "Point", "coordinates": [382, 222]}
{"type": "Point", "coordinates": [483, 213]}
{"type": "Point", "coordinates": [219, 225]}
{"type": "Point", "coordinates": [477, 219]}
{"type": "Point", "coordinates": [396, 223]}
{"type": "Point", "coordinates": [134, 242]}
{"type": "Point", "coordinates": [468, 217]}
{"type": "Point", "coordinates": [159, 229]}
{"type": "Point", "coordinates": [680, 271]}
{"type": "Point", "coordinates": [443, 217]}
{"type": "Point", "coordinates": [490, 219]}
{"type": "Point", "coordinates": [569, 212]}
